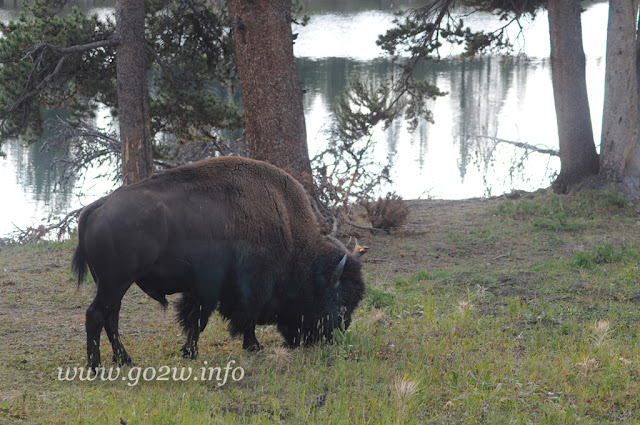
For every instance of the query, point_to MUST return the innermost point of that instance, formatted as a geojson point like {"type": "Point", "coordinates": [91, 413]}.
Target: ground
{"type": "Point", "coordinates": [521, 310]}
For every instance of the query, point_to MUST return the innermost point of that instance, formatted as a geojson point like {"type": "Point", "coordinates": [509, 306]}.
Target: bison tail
{"type": "Point", "coordinates": [79, 261]}
{"type": "Point", "coordinates": [79, 264]}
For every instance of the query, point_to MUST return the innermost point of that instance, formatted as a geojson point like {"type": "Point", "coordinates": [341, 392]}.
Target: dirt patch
{"type": "Point", "coordinates": [520, 284]}
{"type": "Point", "coordinates": [6, 396]}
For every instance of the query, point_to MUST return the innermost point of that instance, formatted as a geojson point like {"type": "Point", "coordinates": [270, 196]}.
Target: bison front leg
{"type": "Point", "coordinates": [189, 318]}
{"type": "Point", "coordinates": [290, 332]}
{"type": "Point", "coordinates": [250, 342]}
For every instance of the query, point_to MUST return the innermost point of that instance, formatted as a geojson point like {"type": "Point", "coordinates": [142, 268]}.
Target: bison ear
{"type": "Point", "coordinates": [335, 277]}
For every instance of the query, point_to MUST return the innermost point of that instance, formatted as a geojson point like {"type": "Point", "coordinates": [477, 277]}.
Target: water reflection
{"type": "Point", "coordinates": [27, 187]}
{"type": "Point", "coordinates": [509, 98]}
{"type": "Point", "coordinates": [478, 88]}
{"type": "Point", "coordinates": [494, 96]}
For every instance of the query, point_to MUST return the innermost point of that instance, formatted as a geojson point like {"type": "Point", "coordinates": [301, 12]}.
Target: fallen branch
{"type": "Point", "coordinates": [499, 257]}
{"type": "Point", "coordinates": [527, 146]}
{"type": "Point", "coordinates": [371, 229]}
{"type": "Point", "coordinates": [34, 234]}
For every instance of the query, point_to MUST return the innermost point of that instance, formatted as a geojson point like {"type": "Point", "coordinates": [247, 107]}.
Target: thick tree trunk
{"type": "Point", "coordinates": [271, 89]}
{"type": "Point", "coordinates": [578, 156]}
{"type": "Point", "coordinates": [620, 154]}
{"type": "Point", "coordinates": [133, 103]}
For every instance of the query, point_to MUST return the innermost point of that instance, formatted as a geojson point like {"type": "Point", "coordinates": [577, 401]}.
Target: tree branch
{"type": "Point", "coordinates": [34, 234]}
{"type": "Point", "coordinates": [42, 48]}
{"type": "Point", "coordinates": [110, 42]}
{"type": "Point", "coordinates": [78, 146]}
{"type": "Point", "coordinates": [521, 145]}
{"type": "Point", "coordinates": [165, 67]}
{"type": "Point", "coordinates": [24, 96]}
{"type": "Point", "coordinates": [442, 11]}
{"type": "Point", "coordinates": [371, 229]}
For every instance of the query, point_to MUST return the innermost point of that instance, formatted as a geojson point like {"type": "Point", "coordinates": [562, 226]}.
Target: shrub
{"type": "Point", "coordinates": [388, 213]}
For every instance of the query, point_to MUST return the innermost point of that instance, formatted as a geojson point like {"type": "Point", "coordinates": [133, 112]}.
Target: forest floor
{"type": "Point", "coordinates": [497, 310]}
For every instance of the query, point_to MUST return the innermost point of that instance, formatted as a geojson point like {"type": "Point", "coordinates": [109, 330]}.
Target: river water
{"type": "Point", "coordinates": [501, 97]}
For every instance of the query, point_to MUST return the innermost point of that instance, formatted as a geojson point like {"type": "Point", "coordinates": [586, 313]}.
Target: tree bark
{"type": "Point", "coordinates": [271, 89]}
{"type": "Point", "coordinates": [620, 153]}
{"type": "Point", "coordinates": [578, 156]}
{"type": "Point", "coordinates": [133, 102]}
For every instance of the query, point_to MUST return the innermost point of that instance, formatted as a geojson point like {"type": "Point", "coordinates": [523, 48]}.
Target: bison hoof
{"type": "Point", "coordinates": [123, 361]}
{"type": "Point", "coordinates": [291, 345]}
{"type": "Point", "coordinates": [94, 363]}
{"type": "Point", "coordinates": [253, 348]}
{"type": "Point", "coordinates": [190, 353]}
{"type": "Point", "coordinates": [95, 368]}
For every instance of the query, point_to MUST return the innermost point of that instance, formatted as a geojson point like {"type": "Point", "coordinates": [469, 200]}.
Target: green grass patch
{"type": "Point", "coordinates": [420, 276]}
{"type": "Point", "coordinates": [379, 298]}
{"type": "Point", "coordinates": [559, 221]}
{"type": "Point", "coordinates": [565, 213]}
{"type": "Point", "coordinates": [479, 316]}
{"type": "Point", "coordinates": [605, 253]}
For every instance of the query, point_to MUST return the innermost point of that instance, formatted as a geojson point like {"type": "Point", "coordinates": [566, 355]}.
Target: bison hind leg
{"type": "Point", "coordinates": [104, 312]}
{"type": "Point", "coordinates": [120, 355]}
{"type": "Point", "coordinates": [189, 318]}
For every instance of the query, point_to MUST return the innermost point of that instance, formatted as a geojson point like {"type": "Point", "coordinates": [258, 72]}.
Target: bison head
{"type": "Point", "coordinates": [336, 289]}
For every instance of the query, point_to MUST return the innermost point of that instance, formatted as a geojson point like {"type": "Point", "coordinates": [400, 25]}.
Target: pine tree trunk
{"type": "Point", "coordinates": [578, 156]}
{"type": "Point", "coordinates": [133, 103]}
{"type": "Point", "coordinates": [620, 156]}
{"type": "Point", "coordinates": [271, 90]}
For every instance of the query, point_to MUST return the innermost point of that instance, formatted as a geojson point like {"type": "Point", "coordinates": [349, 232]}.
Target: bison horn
{"type": "Point", "coordinates": [335, 277]}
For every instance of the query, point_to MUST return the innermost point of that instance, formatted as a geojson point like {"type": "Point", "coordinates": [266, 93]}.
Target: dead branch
{"type": "Point", "coordinates": [110, 42]}
{"type": "Point", "coordinates": [34, 234]}
{"type": "Point", "coordinates": [81, 145]}
{"type": "Point", "coordinates": [163, 164]}
{"type": "Point", "coordinates": [371, 229]}
{"type": "Point", "coordinates": [522, 145]}
{"type": "Point", "coordinates": [338, 242]}
{"type": "Point", "coordinates": [78, 147]}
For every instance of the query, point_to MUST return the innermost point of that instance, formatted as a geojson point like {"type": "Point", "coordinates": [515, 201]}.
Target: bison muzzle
{"type": "Point", "coordinates": [231, 234]}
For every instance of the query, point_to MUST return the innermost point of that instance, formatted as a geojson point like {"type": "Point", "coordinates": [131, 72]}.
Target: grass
{"type": "Point", "coordinates": [475, 312]}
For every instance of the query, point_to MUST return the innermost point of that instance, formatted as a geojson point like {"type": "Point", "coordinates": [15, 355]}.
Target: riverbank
{"type": "Point", "coordinates": [484, 310]}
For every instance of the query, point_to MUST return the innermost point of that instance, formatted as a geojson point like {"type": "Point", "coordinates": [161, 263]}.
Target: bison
{"type": "Point", "coordinates": [231, 234]}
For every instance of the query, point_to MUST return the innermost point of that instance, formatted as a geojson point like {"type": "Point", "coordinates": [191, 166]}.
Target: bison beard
{"type": "Point", "coordinates": [230, 234]}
